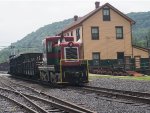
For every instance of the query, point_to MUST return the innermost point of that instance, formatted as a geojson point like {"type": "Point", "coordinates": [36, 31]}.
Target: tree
{"type": "Point", "coordinates": [148, 39]}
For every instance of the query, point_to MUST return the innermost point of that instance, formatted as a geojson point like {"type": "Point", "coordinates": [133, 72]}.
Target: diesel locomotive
{"type": "Point", "coordinates": [61, 62]}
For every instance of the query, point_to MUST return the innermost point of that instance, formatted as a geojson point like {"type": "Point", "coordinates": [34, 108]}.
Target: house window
{"type": "Point", "coordinates": [119, 32]}
{"type": "Point", "coordinates": [95, 33]}
{"type": "Point", "coordinates": [67, 34]}
{"type": "Point", "coordinates": [96, 58]}
{"type": "Point", "coordinates": [120, 57]}
{"type": "Point", "coordinates": [106, 14]}
{"type": "Point", "coordinates": [71, 33]}
{"type": "Point", "coordinates": [78, 33]}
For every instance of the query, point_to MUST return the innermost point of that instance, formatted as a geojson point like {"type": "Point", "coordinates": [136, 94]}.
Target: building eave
{"type": "Point", "coordinates": [140, 48]}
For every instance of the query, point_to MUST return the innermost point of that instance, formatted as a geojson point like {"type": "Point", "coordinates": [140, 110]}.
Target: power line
{"type": "Point", "coordinates": [19, 47]}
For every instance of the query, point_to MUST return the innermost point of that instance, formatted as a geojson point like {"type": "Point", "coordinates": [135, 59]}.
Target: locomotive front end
{"type": "Point", "coordinates": [63, 61]}
{"type": "Point", "coordinates": [73, 68]}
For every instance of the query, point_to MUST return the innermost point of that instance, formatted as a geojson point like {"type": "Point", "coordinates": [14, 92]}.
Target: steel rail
{"type": "Point", "coordinates": [136, 96]}
{"type": "Point", "coordinates": [18, 103]}
{"type": "Point", "coordinates": [19, 93]}
{"type": "Point", "coordinates": [66, 108]}
{"type": "Point", "coordinates": [70, 105]}
{"type": "Point", "coordinates": [135, 93]}
{"type": "Point", "coordinates": [57, 105]}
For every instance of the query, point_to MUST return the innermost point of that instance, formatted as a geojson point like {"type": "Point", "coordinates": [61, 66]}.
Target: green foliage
{"type": "Point", "coordinates": [33, 41]}
{"type": "Point", "coordinates": [4, 55]}
{"type": "Point", "coordinates": [141, 29]}
{"type": "Point", "coordinates": [141, 78]}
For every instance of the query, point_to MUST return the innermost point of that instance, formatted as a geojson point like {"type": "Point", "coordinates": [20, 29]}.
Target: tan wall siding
{"type": "Point", "coordinates": [138, 52]}
{"type": "Point", "coordinates": [107, 45]}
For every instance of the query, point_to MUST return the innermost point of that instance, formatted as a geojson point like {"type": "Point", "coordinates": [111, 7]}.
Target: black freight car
{"type": "Point", "coordinates": [25, 65]}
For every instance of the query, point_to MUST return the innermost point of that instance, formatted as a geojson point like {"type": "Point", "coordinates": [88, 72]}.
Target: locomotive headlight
{"type": "Point", "coordinates": [70, 44]}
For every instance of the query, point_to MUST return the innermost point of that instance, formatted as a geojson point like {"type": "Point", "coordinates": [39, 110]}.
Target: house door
{"type": "Point", "coordinates": [127, 62]}
{"type": "Point", "coordinates": [120, 57]}
{"type": "Point", "coordinates": [137, 62]}
{"type": "Point", "coordinates": [96, 58]}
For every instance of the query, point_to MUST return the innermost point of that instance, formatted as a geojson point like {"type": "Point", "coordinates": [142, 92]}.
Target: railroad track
{"type": "Point", "coordinates": [43, 101]}
{"type": "Point", "coordinates": [12, 106]}
{"type": "Point", "coordinates": [19, 99]}
{"type": "Point", "coordinates": [142, 97]}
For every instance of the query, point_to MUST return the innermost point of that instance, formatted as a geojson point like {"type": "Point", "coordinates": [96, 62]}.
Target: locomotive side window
{"type": "Point", "coordinates": [49, 47]}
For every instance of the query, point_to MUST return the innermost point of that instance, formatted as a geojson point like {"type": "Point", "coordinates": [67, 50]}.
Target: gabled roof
{"type": "Point", "coordinates": [82, 19]}
{"type": "Point", "coordinates": [141, 48]}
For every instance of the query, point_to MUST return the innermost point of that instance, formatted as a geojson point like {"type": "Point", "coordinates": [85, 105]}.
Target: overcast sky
{"type": "Point", "coordinates": [20, 17]}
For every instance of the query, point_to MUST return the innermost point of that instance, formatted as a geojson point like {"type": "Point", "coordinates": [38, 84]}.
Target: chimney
{"type": "Point", "coordinates": [75, 18]}
{"type": "Point", "coordinates": [97, 4]}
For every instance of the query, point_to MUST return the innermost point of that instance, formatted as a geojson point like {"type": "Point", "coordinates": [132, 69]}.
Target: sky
{"type": "Point", "coordinates": [21, 17]}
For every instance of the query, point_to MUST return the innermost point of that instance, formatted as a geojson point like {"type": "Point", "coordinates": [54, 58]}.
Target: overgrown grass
{"type": "Point", "coordinates": [95, 76]}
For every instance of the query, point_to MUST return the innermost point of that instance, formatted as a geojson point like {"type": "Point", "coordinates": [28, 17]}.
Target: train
{"type": "Point", "coordinates": [61, 62]}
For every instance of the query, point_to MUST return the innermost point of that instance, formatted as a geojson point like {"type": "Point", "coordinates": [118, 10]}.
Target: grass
{"type": "Point", "coordinates": [142, 78]}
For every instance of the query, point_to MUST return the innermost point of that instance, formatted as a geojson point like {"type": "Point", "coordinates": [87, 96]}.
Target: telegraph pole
{"type": "Point", "coordinates": [149, 56]}
{"type": "Point", "coordinates": [147, 44]}
{"type": "Point", "coordinates": [13, 50]}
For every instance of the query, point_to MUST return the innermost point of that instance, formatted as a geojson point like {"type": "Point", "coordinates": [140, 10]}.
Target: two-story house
{"type": "Point", "coordinates": [106, 33]}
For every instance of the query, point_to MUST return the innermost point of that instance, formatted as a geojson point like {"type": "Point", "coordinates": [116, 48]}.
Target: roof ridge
{"type": "Point", "coordinates": [83, 18]}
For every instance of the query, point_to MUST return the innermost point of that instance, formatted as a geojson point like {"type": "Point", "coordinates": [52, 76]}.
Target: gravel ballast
{"type": "Point", "coordinates": [121, 84]}
{"type": "Point", "coordinates": [96, 102]}
{"type": "Point", "coordinates": [99, 104]}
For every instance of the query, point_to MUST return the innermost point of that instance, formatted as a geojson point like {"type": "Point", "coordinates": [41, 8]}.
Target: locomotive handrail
{"type": "Point", "coordinates": [74, 60]}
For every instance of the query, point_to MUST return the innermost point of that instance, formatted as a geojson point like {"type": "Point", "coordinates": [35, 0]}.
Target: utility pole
{"type": "Point", "coordinates": [147, 44]}
{"type": "Point", "coordinates": [149, 57]}
{"type": "Point", "coordinates": [12, 50]}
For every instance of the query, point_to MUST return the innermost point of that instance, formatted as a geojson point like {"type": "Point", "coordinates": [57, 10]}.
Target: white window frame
{"type": "Point", "coordinates": [71, 59]}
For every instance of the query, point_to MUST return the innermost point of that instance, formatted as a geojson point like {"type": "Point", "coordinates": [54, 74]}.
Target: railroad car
{"type": "Point", "coordinates": [61, 62]}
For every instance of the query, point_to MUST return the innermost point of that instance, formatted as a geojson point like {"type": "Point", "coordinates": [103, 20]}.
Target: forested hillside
{"type": "Point", "coordinates": [34, 39]}
{"type": "Point", "coordinates": [32, 42]}
{"type": "Point", "coordinates": [141, 29]}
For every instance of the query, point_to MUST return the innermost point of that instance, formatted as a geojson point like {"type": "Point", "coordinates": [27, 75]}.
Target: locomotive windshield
{"type": "Point", "coordinates": [71, 53]}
